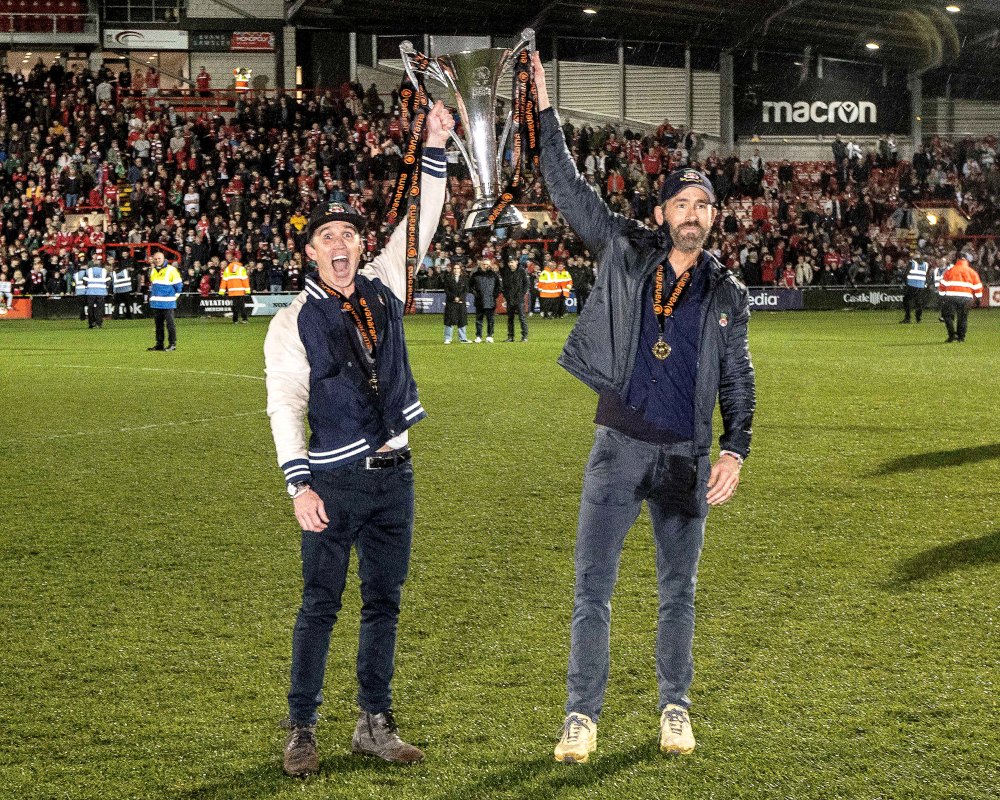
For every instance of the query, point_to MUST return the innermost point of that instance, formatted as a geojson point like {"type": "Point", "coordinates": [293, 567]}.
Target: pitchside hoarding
{"type": "Point", "coordinates": [766, 105]}
{"type": "Point", "coordinates": [862, 298]}
{"type": "Point", "coordinates": [775, 299]}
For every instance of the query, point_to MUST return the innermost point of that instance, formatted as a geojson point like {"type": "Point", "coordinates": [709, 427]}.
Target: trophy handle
{"type": "Point", "coordinates": [506, 135]}
{"type": "Point", "coordinates": [527, 39]}
{"type": "Point", "coordinates": [433, 69]}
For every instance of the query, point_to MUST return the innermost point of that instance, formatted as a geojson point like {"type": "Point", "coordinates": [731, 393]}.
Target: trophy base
{"type": "Point", "coordinates": [478, 217]}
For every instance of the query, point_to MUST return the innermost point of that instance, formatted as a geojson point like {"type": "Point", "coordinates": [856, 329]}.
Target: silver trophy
{"type": "Point", "coordinates": [473, 76]}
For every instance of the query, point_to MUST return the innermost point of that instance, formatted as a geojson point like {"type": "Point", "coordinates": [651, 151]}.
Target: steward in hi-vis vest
{"type": "Point", "coordinates": [915, 288]}
{"type": "Point", "coordinates": [959, 286]}
{"type": "Point", "coordinates": [236, 284]}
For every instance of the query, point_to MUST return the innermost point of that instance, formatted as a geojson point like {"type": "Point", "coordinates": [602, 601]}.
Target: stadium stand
{"type": "Point", "coordinates": [85, 168]}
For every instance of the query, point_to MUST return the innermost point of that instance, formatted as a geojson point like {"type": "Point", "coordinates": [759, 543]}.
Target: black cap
{"type": "Point", "coordinates": [334, 211]}
{"type": "Point", "coordinates": [680, 179]}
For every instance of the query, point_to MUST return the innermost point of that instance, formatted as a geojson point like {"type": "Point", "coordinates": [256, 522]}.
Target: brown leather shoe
{"type": "Point", "coordinates": [301, 756]}
{"type": "Point", "coordinates": [377, 735]}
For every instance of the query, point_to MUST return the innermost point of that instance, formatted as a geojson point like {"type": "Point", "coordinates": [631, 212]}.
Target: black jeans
{"type": "Point", "coordinates": [488, 314]}
{"type": "Point", "coordinates": [371, 510]}
{"type": "Point", "coordinates": [914, 300]}
{"type": "Point", "coordinates": [95, 311]}
{"type": "Point", "coordinates": [161, 317]}
{"type": "Point", "coordinates": [122, 305]}
{"type": "Point", "coordinates": [956, 316]}
{"type": "Point", "coordinates": [516, 310]}
{"type": "Point", "coordinates": [239, 308]}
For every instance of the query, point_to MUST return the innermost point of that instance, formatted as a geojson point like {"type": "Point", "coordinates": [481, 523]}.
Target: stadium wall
{"type": "Point", "coordinates": [251, 9]}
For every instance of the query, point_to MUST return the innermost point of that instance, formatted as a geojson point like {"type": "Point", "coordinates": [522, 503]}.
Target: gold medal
{"type": "Point", "coordinates": [664, 311]}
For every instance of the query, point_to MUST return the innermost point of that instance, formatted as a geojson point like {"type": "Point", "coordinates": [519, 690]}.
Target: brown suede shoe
{"type": "Point", "coordinates": [376, 735]}
{"type": "Point", "coordinates": [301, 757]}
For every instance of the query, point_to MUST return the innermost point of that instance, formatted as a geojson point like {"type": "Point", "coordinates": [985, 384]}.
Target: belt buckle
{"type": "Point", "coordinates": [368, 462]}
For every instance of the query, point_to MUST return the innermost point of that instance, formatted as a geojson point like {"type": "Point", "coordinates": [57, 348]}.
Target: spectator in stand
{"type": "Point", "coordinates": [6, 292]}
{"type": "Point", "coordinates": [203, 82]}
{"type": "Point", "coordinates": [152, 82]}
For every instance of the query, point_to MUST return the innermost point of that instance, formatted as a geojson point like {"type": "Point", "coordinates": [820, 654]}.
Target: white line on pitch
{"type": "Point", "coordinates": [135, 428]}
{"type": "Point", "coordinates": [152, 369]}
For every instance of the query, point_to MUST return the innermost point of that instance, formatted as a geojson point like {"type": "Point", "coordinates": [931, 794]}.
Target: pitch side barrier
{"type": "Point", "coordinates": [813, 298]}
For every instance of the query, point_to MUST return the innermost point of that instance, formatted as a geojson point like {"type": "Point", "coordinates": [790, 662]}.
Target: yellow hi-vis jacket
{"type": "Point", "coordinates": [565, 282]}
{"type": "Point", "coordinates": [548, 284]}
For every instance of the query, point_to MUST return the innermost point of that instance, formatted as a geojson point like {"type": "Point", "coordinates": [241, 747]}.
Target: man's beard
{"type": "Point", "coordinates": [688, 238]}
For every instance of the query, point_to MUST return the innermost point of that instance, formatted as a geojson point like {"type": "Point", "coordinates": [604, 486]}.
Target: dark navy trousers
{"type": "Point", "coordinates": [371, 510]}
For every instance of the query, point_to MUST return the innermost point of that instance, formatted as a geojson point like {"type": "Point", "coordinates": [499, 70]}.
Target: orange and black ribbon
{"type": "Point", "coordinates": [664, 311]}
{"type": "Point", "coordinates": [527, 132]}
{"type": "Point", "coordinates": [414, 100]}
{"type": "Point", "coordinates": [363, 320]}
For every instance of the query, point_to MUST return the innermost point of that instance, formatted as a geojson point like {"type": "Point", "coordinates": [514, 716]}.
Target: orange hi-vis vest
{"type": "Point", "coordinates": [960, 281]}
{"type": "Point", "coordinates": [549, 287]}
{"type": "Point", "coordinates": [565, 282]}
{"type": "Point", "coordinates": [235, 282]}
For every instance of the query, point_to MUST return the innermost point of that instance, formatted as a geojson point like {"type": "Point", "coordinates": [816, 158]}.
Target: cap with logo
{"type": "Point", "coordinates": [334, 211]}
{"type": "Point", "coordinates": [680, 179]}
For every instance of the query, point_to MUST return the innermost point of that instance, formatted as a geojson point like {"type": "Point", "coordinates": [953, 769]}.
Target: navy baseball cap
{"type": "Point", "coordinates": [334, 211]}
{"type": "Point", "coordinates": [680, 179]}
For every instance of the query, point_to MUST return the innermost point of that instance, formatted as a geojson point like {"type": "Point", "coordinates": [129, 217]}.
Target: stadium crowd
{"type": "Point", "coordinates": [216, 188]}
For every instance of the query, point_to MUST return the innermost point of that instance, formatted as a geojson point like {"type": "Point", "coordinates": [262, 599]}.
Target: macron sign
{"type": "Point", "coordinates": [847, 112]}
{"type": "Point", "coordinates": [818, 107]}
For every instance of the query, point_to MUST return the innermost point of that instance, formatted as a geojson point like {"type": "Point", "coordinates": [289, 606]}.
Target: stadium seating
{"type": "Point", "coordinates": [137, 205]}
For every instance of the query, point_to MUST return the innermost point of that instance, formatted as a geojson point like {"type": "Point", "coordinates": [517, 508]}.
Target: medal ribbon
{"type": "Point", "coordinates": [414, 102]}
{"type": "Point", "coordinates": [527, 131]}
{"type": "Point", "coordinates": [664, 311]}
{"type": "Point", "coordinates": [364, 323]}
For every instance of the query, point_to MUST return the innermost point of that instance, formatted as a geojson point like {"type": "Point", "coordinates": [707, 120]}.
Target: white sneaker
{"type": "Point", "coordinates": [676, 736]}
{"type": "Point", "coordinates": [447, 341]}
{"type": "Point", "coordinates": [579, 740]}
{"type": "Point", "coordinates": [478, 340]}
{"type": "Point", "coordinates": [489, 339]}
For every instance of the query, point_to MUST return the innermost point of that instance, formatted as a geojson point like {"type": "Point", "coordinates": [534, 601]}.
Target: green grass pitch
{"type": "Point", "coordinates": [847, 642]}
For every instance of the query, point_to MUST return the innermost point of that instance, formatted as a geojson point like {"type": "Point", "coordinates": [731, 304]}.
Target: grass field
{"type": "Point", "coordinates": [847, 642]}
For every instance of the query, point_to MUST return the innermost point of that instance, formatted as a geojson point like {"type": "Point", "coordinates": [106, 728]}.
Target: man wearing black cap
{"type": "Point", "coordinates": [663, 336]}
{"type": "Point", "coordinates": [337, 353]}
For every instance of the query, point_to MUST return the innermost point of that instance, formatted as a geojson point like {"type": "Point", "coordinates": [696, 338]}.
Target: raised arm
{"type": "Point", "coordinates": [587, 214]}
{"type": "Point", "coordinates": [389, 265]}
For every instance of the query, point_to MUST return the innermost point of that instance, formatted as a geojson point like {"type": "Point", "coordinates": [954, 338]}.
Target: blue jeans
{"type": "Point", "coordinates": [461, 333]}
{"type": "Point", "coordinates": [621, 474]}
{"type": "Point", "coordinates": [373, 511]}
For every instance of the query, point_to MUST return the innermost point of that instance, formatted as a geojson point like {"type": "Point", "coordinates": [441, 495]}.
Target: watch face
{"type": "Point", "coordinates": [294, 489]}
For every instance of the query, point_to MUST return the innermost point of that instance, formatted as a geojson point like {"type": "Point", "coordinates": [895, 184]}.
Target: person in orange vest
{"type": "Point", "coordinates": [236, 284]}
{"type": "Point", "coordinates": [959, 286]}
{"type": "Point", "coordinates": [241, 79]}
{"type": "Point", "coordinates": [565, 287]}
{"type": "Point", "coordinates": [549, 290]}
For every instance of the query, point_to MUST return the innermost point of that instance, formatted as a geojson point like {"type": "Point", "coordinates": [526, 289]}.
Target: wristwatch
{"type": "Point", "coordinates": [297, 489]}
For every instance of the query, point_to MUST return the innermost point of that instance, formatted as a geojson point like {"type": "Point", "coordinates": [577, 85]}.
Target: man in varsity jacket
{"type": "Point", "coordinates": [338, 355]}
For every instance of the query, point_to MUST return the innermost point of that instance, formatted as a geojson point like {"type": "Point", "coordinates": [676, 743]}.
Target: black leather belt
{"type": "Point", "coordinates": [390, 459]}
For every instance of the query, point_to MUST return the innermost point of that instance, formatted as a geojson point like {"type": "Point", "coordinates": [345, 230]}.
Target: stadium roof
{"type": "Point", "coordinates": [910, 33]}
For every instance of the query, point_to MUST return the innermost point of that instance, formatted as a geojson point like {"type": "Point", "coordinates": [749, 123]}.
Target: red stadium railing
{"type": "Point", "coordinates": [147, 249]}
